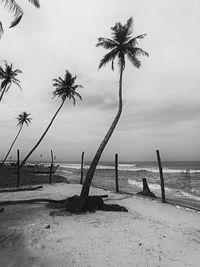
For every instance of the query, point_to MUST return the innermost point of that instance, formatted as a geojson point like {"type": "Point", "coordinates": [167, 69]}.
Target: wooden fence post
{"type": "Point", "coordinates": [18, 170]}
{"type": "Point", "coordinates": [116, 173]}
{"type": "Point", "coordinates": [50, 174]}
{"type": "Point", "coordinates": [161, 177]}
{"type": "Point", "coordinates": [82, 161]}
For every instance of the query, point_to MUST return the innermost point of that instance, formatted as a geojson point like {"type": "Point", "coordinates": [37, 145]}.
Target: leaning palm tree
{"type": "Point", "coordinates": [65, 88]}
{"type": "Point", "coordinates": [14, 7]}
{"type": "Point", "coordinates": [122, 44]}
{"type": "Point", "coordinates": [8, 77]}
{"type": "Point", "coordinates": [22, 118]}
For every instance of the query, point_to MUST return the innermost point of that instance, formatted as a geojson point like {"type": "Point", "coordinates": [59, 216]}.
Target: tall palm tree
{"type": "Point", "coordinates": [122, 44]}
{"type": "Point", "coordinates": [65, 88]}
{"type": "Point", "coordinates": [8, 76]}
{"type": "Point", "coordinates": [22, 118]}
{"type": "Point", "coordinates": [14, 7]}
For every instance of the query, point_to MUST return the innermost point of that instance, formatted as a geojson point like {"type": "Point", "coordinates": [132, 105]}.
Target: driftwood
{"type": "Point", "coordinates": [75, 204]}
{"type": "Point", "coordinates": [39, 200]}
{"type": "Point", "coordinates": [20, 189]}
{"type": "Point", "coordinates": [146, 191]}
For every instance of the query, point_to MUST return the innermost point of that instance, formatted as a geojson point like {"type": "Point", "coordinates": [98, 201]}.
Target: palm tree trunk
{"type": "Point", "coordinates": [11, 145]}
{"type": "Point", "coordinates": [2, 93]}
{"type": "Point", "coordinates": [86, 186]}
{"type": "Point", "coordinates": [29, 154]}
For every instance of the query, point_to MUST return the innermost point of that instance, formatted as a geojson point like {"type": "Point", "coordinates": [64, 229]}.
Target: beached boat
{"type": "Point", "coordinates": [33, 168]}
{"type": "Point", "coordinates": [41, 168]}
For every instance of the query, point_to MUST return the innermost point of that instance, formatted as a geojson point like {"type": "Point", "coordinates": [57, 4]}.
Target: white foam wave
{"type": "Point", "coordinates": [151, 186]}
{"type": "Point", "coordinates": [174, 192]}
{"type": "Point", "coordinates": [188, 195]}
{"type": "Point", "coordinates": [128, 167]}
{"type": "Point", "coordinates": [67, 172]}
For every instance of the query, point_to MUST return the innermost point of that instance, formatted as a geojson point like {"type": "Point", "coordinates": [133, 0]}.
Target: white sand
{"type": "Point", "coordinates": [150, 234]}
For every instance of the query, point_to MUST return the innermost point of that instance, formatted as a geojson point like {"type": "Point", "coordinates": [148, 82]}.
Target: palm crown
{"type": "Point", "coordinates": [24, 118]}
{"type": "Point", "coordinates": [8, 76]}
{"type": "Point", "coordinates": [65, 88]}
{"type": "Point", "coordinates": [122, 44]}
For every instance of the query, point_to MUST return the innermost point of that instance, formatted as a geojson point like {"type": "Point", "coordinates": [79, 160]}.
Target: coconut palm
{"type": "Point", "coordinates": [8, 77]}
{"type": "Point", "coordinates": [22, 118]}
{"type": "Point", "coordinates": [65, 88]}
{"type": "Point", "coordinates": [122, 44]}
{"type": "Point", "coordinates": [14, 7]}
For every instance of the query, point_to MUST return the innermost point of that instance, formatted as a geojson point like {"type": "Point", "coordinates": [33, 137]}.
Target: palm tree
{"type": "Point", "coordinates": [122, 44]}
{"type": "Point", "coordinates": [22, 118]}
{"type": "Point", "coordinates": [65, 88]}
{"type": "Point", "coordinates": [17, 10]}
{"type": "Point", "coordinates": [8, 76]}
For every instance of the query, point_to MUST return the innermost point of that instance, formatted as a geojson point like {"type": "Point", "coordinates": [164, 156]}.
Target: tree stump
{"type": "Point", "coordinates": [146, 191]}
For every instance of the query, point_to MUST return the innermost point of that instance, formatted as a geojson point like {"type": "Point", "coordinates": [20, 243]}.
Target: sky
{"type": "Point", "coordinates": [161, 100]}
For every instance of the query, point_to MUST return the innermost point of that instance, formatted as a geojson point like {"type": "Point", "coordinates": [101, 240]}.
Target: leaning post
{"type": "Point", "coordinates": [116, 173]}
{"type": "Point", "coordinates": [82, 161]}
{"type": "Point", "coordinates": [161, 177]}
{"type": "Point", "coordinates": [18, 169]}
{"type": "Point", "coordinates": [51, 168]}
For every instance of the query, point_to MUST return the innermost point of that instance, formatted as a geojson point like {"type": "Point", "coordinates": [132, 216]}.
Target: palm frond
{"type": "Point", "coordinates": [1, 29]}
{"type": "Point", "coordinates": [134, 41]}
{"type": "Point", "coordinates": [128, 27]}
{"type": "Point", "coordinates": [16, 20]}
{"type": "Point", "coordinates": [36, 3]}
{"type": "Point", "coordinates": [8, 87]}
{"type": "Point", "coordinates": [17, 71]}
{"type": "Point", "coordinates": [140, 52]}
{"type": "Point", "coordinates": [4, 83]}
{"type": "Point", "coordinates": [13, 7]}
{"type": "Point", "coordinates": [108, 57]}
{"type": "Point", "coordinates": [136, 62]}
{"type": "Point", "coordinates": [106, 43]}
{"type": "Point", "coordinates": [16, 83]}
{"type": "Point", "coordinates": [122, 33]}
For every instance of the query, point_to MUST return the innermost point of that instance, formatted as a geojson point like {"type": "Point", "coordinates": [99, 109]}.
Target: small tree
{"type": "Point", "coordinates": [22, 118]}
{"type": "Point", "coordinates": [65, 88]}
{"type": "Point", "coordinates": [8, 77]}
{"type": "Point", "coordinates": [121, 45]}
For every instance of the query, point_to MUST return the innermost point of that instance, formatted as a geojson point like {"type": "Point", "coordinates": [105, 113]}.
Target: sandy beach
{"type": "Point", "coordinates": [150, 234]}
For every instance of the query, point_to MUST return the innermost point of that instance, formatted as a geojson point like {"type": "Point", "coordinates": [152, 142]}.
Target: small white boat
{"type": "Point", "coordinates": [41, 168]}
{"type": "Point", "coordinates": [33, 168]}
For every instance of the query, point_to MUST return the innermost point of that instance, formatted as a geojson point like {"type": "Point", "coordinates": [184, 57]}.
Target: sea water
{"type": "Point", "coordinates": [182, 178]}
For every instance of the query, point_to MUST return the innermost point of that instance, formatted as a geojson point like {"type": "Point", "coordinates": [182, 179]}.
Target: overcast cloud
{"type": "Point", "coordinates": [161, 99]}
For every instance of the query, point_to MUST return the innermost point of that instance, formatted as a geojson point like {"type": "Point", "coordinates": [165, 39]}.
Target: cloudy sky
{"type": "Point", "coordinates": [161, 99]}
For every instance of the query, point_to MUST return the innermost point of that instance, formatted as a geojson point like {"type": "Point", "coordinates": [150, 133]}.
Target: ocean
{"type": "Point", "coordinates": [182, 178]}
